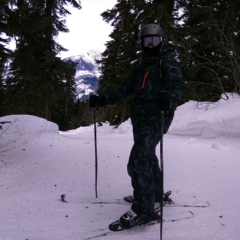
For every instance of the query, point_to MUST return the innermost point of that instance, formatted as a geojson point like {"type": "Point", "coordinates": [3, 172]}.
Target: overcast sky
{"type": "Point", "coordinates": [87, 29]}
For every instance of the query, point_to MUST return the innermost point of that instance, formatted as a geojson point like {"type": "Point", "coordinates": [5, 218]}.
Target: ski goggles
{"type": "Point", "coordinates": [152, 40]}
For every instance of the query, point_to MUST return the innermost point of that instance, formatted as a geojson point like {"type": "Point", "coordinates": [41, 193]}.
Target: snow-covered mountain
{"type": "Point", "coordinates": [87, 74]}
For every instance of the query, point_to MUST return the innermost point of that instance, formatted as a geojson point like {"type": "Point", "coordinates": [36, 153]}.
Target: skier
{"type": "Point", "coordinates": [157, 83]}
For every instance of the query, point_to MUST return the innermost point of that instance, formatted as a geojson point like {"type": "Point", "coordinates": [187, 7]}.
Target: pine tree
{"type": "Point", "coordinates": [210, 48]}
{"type": "Point", "coordinates": [39, 79]}
{"type": "Point", "coordinates": [117, 58]}
{"type": "Point", "coordinates": [4, 50]}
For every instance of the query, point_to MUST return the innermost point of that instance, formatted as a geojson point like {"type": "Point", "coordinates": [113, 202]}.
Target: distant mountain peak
{"type": "Point", "coordinates": [87, 74]}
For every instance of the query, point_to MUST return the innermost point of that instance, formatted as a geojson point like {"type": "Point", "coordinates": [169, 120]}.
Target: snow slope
{"type": "Point", "coordinates": [38, 164]}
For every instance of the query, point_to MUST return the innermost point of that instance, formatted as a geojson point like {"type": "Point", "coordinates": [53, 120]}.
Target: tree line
{"type": "Point", "coordinates": [206, 35]}
{"type": "Point", "coordinates": [33, 80]}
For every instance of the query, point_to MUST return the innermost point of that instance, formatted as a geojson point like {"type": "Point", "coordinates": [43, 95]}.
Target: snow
{"type": "Point", "coordinates": [39, 163]}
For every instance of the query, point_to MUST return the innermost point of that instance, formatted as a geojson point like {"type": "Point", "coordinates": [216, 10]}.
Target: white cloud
{"type": "Point", "coordinates": [87, 28]}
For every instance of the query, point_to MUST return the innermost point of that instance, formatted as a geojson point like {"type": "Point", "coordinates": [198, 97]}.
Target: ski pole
{"type": "Point", "coordinates": [96, 157]}
{"type": "Point", "coordinates": [162, 171]}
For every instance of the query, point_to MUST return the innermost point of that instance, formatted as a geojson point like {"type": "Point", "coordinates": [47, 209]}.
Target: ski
{"type": "Point", "coordinates": [115, 226]}
{"type": "Point", "coordinates": [165, 204]}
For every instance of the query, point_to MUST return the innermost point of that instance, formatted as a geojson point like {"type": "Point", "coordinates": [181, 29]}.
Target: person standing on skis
{"type": "Point", "coordinates": [158, 86]}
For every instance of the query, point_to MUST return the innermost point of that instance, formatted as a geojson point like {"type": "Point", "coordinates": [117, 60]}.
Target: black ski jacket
{"type": "Point", "coordinates": [151, 78]}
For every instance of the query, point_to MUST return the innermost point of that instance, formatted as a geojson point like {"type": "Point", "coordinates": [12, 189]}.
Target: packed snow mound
{"type": "Point", "coordinates": [21, 128]}
{"type": "Point", "coordinates": [29, 124]}
{"type": "Point", "coordinates": [208, 120]}
{"type": "Point", "coordinates": [194, 119]}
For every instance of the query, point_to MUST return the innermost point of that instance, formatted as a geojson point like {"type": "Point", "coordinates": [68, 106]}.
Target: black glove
{"type": "Point", "coordinates": [165, 101]}
{"type": "Point", "coordinates": [96, 101]}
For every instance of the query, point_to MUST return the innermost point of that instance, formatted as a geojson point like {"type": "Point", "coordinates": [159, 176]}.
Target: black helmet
{"type": "Point", "coordinates": [151, 34]}
{"type": "Point", "coordinates": [151, 29]}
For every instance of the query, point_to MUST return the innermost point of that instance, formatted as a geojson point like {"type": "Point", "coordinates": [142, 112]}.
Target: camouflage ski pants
{"type": "Point", "coordinates": [143, 165]}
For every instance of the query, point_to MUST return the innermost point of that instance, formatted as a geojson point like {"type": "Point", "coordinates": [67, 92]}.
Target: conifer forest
{"type": "Point", "coordinates": [35, 81]}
